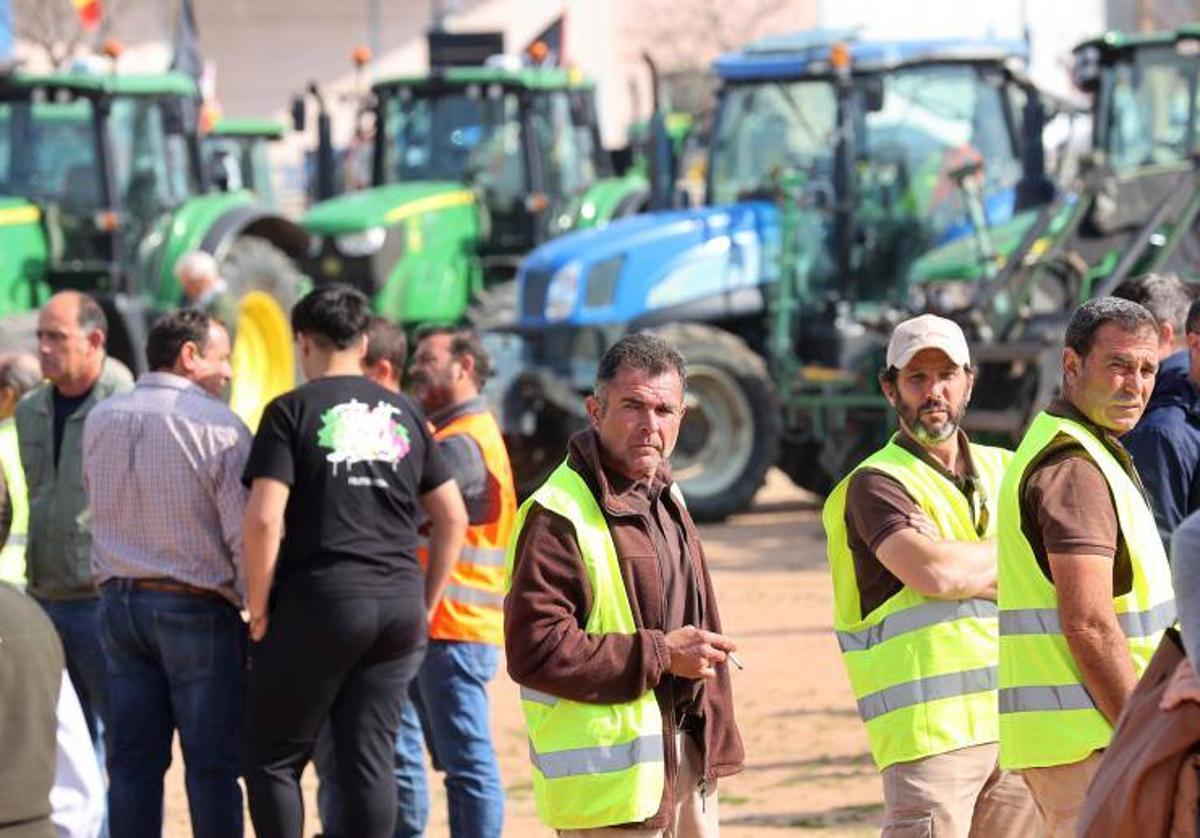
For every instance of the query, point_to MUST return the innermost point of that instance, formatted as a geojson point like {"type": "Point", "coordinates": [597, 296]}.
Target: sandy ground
{"type": "Point", "coordinates": [808, 771]}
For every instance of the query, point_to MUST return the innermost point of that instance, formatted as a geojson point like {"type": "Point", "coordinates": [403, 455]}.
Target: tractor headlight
{"type": "Point", "coordinates": [364, 243]}
{"type": "Point", "coordinates": [562, 292]}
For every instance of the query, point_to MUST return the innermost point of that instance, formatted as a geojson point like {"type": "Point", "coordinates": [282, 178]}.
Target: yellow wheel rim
{"type": "Point", "coordinates": [264, 360]}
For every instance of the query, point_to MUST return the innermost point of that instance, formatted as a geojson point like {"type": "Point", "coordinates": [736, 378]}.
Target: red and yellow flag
{"type": "Point", "coordinates": [89, 12]}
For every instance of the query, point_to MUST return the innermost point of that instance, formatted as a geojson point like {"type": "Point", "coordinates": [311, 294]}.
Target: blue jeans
{"type": "Point", "coordinates": [175, 661]}
{"type": "Point", "coordinates": [446, 710]}
{"type": "Point", "coordinates": [77, 622]}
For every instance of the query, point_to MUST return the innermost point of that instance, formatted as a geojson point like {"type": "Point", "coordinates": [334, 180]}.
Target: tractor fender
{"type": "Point", "coordinates": [258, 221]}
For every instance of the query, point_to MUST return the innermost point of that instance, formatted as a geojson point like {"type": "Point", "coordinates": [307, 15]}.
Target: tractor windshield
{"type": "Point", "coordinates": [1152, 112]}
{"type": "Point", "coordinates": [48, 153]}
{"type": "Point", "coordinates": [460, 133]}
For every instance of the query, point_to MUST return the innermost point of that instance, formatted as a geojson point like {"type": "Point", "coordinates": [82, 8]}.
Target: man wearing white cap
{"type": "Point", "coordinates": [1085, 590]}
{"type": "Point", "coordinates": [912, 549]}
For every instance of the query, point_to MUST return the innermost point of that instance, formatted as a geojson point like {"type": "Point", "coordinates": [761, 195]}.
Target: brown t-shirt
{"type": "Point", "coordinates": [878, 506]}
{"type": "Point", "coordinates": [1067, 507]}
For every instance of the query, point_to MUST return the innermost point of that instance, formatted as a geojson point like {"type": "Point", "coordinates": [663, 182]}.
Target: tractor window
{"type": "Point", "coordinates": [935, 119]}
{"type": "Point", "coordinates": [48, 153]}
{"type": "Point", "coordinates": [460, 134]}
{"type": "Point", "coordinates": [765, 129]}
{"type": "Point", "coordinates": [566, 149]}
{"type": "Point", "coordinates": [1152, 110]}
{"type": "Point", "coordinates": [150, 165]}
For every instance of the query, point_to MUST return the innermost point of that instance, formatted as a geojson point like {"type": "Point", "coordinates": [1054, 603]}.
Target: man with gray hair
{"type": "Point", "coordinates": [1166, 298]}
{"type": "Point", "coordinates": [18, 375]}
{"type": "Point", "coordinates": [1084, 587]}
{"type": "Point", "coordinates": [611, 625]}
{"type": "Point", "coordinates": [204, 288]}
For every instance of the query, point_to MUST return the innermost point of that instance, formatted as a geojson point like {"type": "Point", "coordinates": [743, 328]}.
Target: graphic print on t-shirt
{"type": "Point", "coordinates": [355, 433]}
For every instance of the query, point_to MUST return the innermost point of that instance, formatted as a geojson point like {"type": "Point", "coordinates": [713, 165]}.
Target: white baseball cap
{"type": "Point", "coordinates": [927, 332]}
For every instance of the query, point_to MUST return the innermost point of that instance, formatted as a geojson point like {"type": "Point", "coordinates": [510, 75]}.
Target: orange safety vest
{"type": "Point", "coordinates": [470, 608]}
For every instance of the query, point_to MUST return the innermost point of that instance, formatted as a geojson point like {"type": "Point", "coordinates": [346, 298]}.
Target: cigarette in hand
{"type": "Point", "coordinates": [734, 660]}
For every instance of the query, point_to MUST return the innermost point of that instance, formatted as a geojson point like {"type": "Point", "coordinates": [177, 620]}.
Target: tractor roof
{"type": "Point", "coordinates": [268, 129]}
{"type": "Point", "coordinates": [111, 84]}
{"type": "Point", "coordinates": [1113, 41]}
{"type": "Point", "coordinates": [532, 78]}
{"type": "Point", "coordinates": [807, 54]}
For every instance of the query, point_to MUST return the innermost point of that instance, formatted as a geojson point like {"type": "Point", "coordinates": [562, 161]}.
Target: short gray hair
{"type": "Point", "coordinates": [640, 351]}
{"type": "Point", "coordinates": [20, 373]}
{"type": "Point", "coordinates": [1100, 311]}
{"type": "Point", "coordinates": [197, 263]}
{"type": "Point", "coordinates": [1163, 295]}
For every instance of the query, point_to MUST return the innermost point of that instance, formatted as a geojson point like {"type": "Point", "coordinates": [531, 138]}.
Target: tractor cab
{"type": "Point", "coordinates": [98, 160]}
{"type": "Point", "coordinates": [485, 161]}
{"type": "Point", "coordinates": [238, 155]}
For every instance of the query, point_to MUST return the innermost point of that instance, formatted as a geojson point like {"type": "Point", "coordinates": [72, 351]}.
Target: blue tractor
{"type": "Point", "coordinates": [834, 163]}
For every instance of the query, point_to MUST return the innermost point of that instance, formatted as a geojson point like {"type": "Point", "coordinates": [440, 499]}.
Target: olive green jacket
{"type": "Point", "coordinates": [58, 552]}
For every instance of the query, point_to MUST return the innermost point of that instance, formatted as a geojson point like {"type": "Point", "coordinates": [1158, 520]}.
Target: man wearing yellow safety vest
{"type": "Point", "coordinates": [1085, 590]}
{"type": "Point", "coordinates": [911, 538]}
{"type": "Point", "coordinates": [18, 375]}
{"type": "Point", "coordinates": [611, 625]}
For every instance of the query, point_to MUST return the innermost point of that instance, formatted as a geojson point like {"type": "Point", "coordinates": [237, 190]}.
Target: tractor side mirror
{"type": "Point", "coordinates": [873, 94]}
{"type": "Point", "coordinates": [298, 113]}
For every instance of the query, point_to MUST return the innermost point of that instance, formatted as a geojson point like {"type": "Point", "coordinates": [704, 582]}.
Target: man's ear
{"type": "Point", "coordinates": [594, 409]}
{"type": "Point", "coordinates": [95, 338]}
{"type": "Point", "coordinates": [1071, 362]}
{"type": "Point", "coordinates": [889, 390]}
{"type": "Point", "coordinates": [467, 363]}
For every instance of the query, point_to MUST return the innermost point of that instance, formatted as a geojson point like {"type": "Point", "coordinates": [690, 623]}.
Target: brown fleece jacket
{"type": "Point", "coordinates": [549, 601]}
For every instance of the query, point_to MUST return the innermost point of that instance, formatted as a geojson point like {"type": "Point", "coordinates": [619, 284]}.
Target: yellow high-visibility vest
{"type": "Point", "coordinates": [12, 556]}
{"type": "Point", "coordinates": [1047, 716]}
{"type": "Point", "coordinates": [593, 764]}
{"type": "Point", "coordinates": [923, 670]}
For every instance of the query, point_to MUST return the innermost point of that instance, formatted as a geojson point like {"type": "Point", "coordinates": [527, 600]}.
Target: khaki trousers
{"type": "Point", "coordinates": [695, 813]}
{"type": "Point", "coordinates": [959, 794]}
{"type": "Point", "coordinates": [1059, 791]}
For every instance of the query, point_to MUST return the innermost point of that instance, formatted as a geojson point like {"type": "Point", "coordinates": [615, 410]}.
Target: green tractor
{"type": "Point", "coordinates": [103, 186]}
{"type": "Point", "coordinates": [237, 152]}
{"type": "Point", "coordinates": [1134, 209]}
{"type": "Point", "coordinates": [472, 167]}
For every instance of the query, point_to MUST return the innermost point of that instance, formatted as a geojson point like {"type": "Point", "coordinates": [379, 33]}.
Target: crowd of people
{"type": "Point", "coordinates": [341, 585]}
{"type": "Point", "coordinates": [337, 586]}
{"type": "Point", "coordinates": [1000, 612]}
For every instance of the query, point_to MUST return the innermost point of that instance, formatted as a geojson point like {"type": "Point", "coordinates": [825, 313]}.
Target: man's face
{"type": "Point", "coordinates": [67, 353]}
{"type": "Point", "coordinates": [637, 417]}
{"type": "Point", "coordinates": [930, 395]}
{"type": "Point", "coordinates": [209, 368]}
{"type": "Point", "coordinates": [1111, 384]}
{"type": "Point", "coordinates": [435, 372]}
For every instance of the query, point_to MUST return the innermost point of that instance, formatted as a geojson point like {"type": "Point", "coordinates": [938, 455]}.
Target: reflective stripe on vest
{"type": "Point", "coordinates": [1047, 716]}
{"type": "Point", "coordinates": [12, 555]}
{"type": "Point", "coordinates": [923, 671]}
{"type": "Point", "coordinates": [470, 608]}
{"type": "Point", "coordinates": [594, 765]}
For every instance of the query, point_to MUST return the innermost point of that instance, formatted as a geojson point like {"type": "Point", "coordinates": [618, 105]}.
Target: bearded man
{"type": "Point", "coordinates": [912, 548]}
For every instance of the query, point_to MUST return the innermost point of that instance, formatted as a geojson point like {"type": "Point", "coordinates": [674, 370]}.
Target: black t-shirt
{"type": "Point", "coordinates": [357, 458]}
{"type": "Point", "coordinates": [64, 409]}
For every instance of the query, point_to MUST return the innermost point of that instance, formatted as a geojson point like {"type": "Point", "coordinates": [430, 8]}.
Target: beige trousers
{"type": "Point", "coordinates": [959, 794]}
{"type": "Point", "coordinates": [695, 813]}
{"type": "Point", "coordinates": [1059, 791]}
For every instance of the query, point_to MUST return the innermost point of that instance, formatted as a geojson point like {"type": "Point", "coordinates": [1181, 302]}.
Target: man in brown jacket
{"type": "Point", "coordinates": [676, 648]}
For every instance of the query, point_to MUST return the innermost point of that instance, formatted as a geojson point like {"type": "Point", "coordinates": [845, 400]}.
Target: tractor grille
{"type": "Point", "coordinates": [533, 293]}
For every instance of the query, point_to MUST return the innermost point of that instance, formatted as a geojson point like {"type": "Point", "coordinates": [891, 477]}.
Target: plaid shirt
{"type": "Point", "coordinates": [163, 466]}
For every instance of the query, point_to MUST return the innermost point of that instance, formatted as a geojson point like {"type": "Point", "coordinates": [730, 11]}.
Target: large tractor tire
{"type": "Point", "coordinates": [730, 435]}
{"type": "Point", "coordinates": [264, 284]}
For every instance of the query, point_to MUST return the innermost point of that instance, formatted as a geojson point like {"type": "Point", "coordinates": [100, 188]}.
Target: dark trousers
{"type": "Point", "coordinates": [343, 659]}
{"type": "Point", "coordinates": [174, 662]}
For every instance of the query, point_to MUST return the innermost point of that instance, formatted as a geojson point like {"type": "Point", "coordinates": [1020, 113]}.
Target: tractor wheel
{"type": "Point", "coordinates": [730, 435]}
{"type": "Point", "coordinates": [264, 284]}
{"type": "Point", "coordinates": [494, 307]}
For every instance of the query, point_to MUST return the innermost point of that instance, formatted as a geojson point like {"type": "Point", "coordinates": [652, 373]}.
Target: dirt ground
{"type": "Point", "coordinates": [808, 771]}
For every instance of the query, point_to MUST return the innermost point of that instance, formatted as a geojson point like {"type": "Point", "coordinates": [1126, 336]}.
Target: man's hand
{"type": "Point", "coordinates": [1183, 686]}
{"type": "Point", "coordinates": [258, 628]}
{"type": "Point", "coordinates": [695, 652]}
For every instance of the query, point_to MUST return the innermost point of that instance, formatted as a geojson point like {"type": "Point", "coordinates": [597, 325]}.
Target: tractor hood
{"type": "Point", "coordinates": [383, 206]}
{"type": "Point", "coordinates": [23, 249]}
{"type": "Point", "coordinates": [648, 268]}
